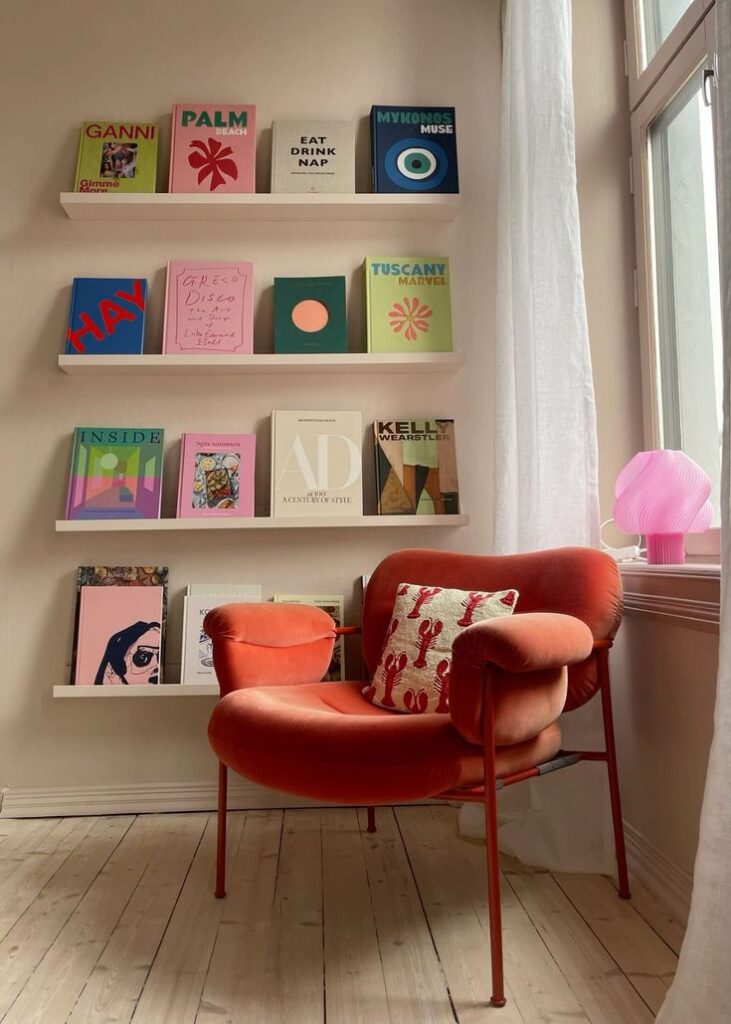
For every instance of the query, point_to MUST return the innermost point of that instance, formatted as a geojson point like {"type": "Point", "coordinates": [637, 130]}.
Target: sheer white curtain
{"type": "Point", "coordinates": [545, 421]}
{"type": "Point", "coordinates": [701, 992]}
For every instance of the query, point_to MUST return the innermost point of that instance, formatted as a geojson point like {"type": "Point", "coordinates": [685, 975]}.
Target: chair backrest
{"type": "Point", "coordinates": [576, 581]}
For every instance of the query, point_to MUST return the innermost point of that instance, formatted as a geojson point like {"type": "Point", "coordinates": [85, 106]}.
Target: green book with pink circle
{"type": "Point", "coordinates": [309, 315]}
{"type": "Point", "coordinates": [116, 473]}
{"type": "Point", "coordinates": [408, 304]}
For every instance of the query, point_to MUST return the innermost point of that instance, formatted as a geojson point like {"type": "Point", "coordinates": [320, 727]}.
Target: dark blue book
{"type": "Point", "coordinates": [414, 149]}
{"type": "Point", "coordinates": [107, 316]}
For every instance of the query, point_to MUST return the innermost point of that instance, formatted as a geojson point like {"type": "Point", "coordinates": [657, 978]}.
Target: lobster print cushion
{"type": "Point", "coordinates": [413, 673]}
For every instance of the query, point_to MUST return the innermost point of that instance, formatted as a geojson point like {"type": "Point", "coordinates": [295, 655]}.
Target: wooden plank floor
{"type": "Point", "coordinates": [113, 920]}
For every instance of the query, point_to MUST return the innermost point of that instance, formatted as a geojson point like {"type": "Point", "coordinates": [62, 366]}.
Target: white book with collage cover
{"type": "Point", "coordinates": [196, 661]}
{"type": "Point", "coordinates": [317, 466]}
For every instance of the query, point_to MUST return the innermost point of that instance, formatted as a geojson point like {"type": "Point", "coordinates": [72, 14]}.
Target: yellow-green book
{"type": "Point", "coordinates": [408, 304]}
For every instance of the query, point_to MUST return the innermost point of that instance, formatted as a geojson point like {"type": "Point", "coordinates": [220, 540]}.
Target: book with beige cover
{"type": "Point", "coordinates": [316, 464]}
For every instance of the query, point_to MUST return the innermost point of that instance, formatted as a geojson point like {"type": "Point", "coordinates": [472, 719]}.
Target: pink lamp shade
{"type": "Point", "coordinates": [663, 494]}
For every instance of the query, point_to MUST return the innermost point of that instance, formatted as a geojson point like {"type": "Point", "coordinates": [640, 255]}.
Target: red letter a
{"type": "Point", "coordinates": [111, 313]}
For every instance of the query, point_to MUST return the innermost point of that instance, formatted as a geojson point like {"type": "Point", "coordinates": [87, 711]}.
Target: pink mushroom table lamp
{"type": "Point", "coordinates": [663, 494]}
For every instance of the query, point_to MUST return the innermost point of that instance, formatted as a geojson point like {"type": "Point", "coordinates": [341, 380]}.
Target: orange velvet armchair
{"type": "Point", "coordinates": [511, 678]}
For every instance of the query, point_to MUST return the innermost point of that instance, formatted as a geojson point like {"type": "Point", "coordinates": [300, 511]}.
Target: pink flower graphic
{"type": "Point", "coordinates": [409, 316]}
{"type": "Point", "coordinates": [214, 159]}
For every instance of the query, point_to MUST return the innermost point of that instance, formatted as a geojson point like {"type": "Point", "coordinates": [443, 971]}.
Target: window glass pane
{"type": "Point", "coordinates": [659, 18]}
{"type": "Point", "coordinates": [687, 310]}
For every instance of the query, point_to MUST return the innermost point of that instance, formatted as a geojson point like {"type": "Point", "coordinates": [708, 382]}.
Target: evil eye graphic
{"type": "Point", "coordinates": [416, 164]}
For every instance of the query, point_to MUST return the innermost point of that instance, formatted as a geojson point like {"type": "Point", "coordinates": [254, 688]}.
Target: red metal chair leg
{"type": "Point", "coordinates": [371, 819]}
{"type": "Point", "coordinates": [221, 835]}
{"type": "Point", "coordinates": [622, 876]}
{"type": "Point", "coordinates": [493, 864]}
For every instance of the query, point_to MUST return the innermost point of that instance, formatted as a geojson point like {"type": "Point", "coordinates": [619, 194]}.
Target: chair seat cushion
{"type": "Point", "coordinates": [326, 742]}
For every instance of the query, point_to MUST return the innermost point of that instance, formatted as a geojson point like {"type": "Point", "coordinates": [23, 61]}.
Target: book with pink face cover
{"type": "Point", "coordinates": [213, 148]}
{"type": "Point", "coordinates": [119, 639]}
{"type": "Point", "coordinates": [209, 308]}
{"type": "Point", "coordinates": [216, 475]}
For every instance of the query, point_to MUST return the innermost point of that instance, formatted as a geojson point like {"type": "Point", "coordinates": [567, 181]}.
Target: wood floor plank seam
{"type": "Point", "coordinates": [652, 1006]}
{"type": "Point", "coordinates": [426, 918]}
{"type": "Point", "coordinates": [80, 898]}
{"type": "Point", "coordinates": [550, 952]}
{"type": "Point", "coordinates": [133, 896]}
{"type": "Point", "coordinates": [172, 911]}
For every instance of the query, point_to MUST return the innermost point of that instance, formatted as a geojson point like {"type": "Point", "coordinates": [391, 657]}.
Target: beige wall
{"type": "Point", "coordinates": [65, 63]}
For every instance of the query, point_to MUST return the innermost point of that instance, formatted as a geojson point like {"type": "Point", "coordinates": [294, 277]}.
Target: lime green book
{"type": "Point", "coordinates": [408, 306]}
{"type": "Point", "coordinates": [116, 156]}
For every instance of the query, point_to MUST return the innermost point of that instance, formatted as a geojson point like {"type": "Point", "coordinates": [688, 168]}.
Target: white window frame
{"type": "Point", "coordinates": [674, 63]}
{"type": "Point", "coordinates": [641, 79]}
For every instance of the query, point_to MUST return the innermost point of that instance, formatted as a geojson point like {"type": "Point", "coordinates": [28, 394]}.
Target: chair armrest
{"type": "Point", "coordinates": [526, 642]}
{"type": "Point", "coordinates": [522, 660]}
{"type": "Point", "coordinates": [269, 644]}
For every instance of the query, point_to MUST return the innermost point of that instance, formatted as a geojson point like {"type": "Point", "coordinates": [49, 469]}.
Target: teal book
{"type": "Point", "coordinates": [116, 473]}
{"type": "Point", "coordinates": [309, 315]}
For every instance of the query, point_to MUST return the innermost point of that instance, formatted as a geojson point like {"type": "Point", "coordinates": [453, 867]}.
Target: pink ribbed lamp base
{"type": "Point", "coordinates": [665, 548]}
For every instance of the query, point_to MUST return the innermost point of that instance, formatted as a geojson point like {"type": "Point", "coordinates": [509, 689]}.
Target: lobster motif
{"type": "Point", "coordinates": [416, 702]}
{"type": "Point", "coordinates": [470, 604]}
{"type": "Point", "coordinates": [441, 684]}
{"type": "Point", "coordinates": [392, 627]}
{"type": "Point", "coordinates": [402, 590]}
{"type": "Point", "coordinates": [393, 670]}
{"type": "Point", "coordinates": [509, 598]}
{"type": "Point", "coordinates": [423, 595]}
{"type": "Point", "coordinates": [429, 630]}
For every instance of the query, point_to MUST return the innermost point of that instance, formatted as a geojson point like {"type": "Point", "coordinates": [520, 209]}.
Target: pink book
{"type": "Point", "coordinates": [216, 475]}
{"type": "Point", "coordinates": [209, 307]}
{"type": "Point", "coordinates": [119, 638]}
{"type": "Point", "coordinates": [213, 148]}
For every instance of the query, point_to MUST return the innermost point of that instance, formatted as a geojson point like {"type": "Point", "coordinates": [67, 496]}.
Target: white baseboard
{"type": "Point", "coordinates": [67, 801]}
{"type": "Point", "coordinates": [670, 885]}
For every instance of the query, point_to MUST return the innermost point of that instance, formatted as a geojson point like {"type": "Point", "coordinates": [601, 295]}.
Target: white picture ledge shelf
{"type": "Point", "coordinates": [164, 690]}
{"type": "Point", "coordinates": [259, 206]}
{"type": "Point", "coordinates": [197, 365]}
{"type": "Point", "coordinates": [255, 523]}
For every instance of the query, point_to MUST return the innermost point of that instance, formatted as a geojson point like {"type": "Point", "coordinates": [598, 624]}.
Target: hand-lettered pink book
{"type": "Point", "coordinates": [216, 475]}
{"type": "Point", "coordinates": [209, 308]}
{"type": "Point", "coordinates": [213, 148]}
{"type": "Point", "coordinates": [119, 639]}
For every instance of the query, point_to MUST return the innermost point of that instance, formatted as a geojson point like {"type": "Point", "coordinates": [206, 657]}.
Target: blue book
{"type": "Point", "coordinates": [414, 149]}
{"type": "Point", "coordinates": [107, 316]}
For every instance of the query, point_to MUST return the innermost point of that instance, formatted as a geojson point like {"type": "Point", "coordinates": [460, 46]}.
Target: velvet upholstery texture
{"type": "Point", "coordinates": [326, 742]}
{"type": "Point", "coordinates": [269, 644]}
{"type": "Point", "coordinates": [278, 725]}
{"type": "Point", "coordinates": [575, 581]}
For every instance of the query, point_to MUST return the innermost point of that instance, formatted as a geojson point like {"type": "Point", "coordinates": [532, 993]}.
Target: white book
{"type": "Point", "coordinates": [240, 591]}
{"type": "Point", "coordinates": [196, 659]}
{"type": "Point", "coordinates": [313, 156]}
{"type": "Point", "coordinates": [333, 604]}
{"type": "Point", "coordinates": [317, 465]}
